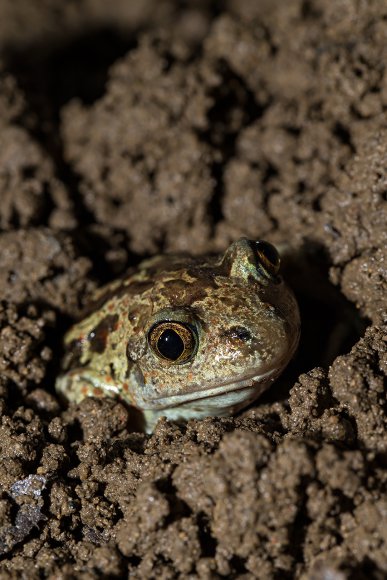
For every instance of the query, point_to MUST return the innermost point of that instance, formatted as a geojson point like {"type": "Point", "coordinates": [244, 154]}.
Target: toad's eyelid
{"type": "Point", "coordinates": [172, 314]}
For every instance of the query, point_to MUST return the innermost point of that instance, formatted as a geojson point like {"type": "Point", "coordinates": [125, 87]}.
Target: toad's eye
{"type": "Point", "coordinates": [173, 341]}
{"type": "Point", "coordinates": [267, 257]}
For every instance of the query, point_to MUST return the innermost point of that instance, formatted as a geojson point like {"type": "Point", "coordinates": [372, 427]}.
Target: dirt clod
{"type": "Point", "coordinates": [193, 124]}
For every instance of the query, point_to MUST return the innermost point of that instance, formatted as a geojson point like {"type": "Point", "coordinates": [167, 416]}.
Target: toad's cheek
{"type": "Point", "coordinates": [142, 387]}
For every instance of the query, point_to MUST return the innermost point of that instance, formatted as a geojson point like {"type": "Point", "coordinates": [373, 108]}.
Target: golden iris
{"type": "Point", "coordinates": [268, 257]}
{"type": "Point", "coordinates": [173, 341]}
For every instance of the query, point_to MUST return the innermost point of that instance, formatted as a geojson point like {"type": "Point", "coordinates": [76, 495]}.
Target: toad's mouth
{"type": "Point", "coordinates": [253, 382]}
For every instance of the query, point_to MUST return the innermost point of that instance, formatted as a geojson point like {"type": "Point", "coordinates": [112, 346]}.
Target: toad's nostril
{"type": "Point", "coordinates": [238, 332]}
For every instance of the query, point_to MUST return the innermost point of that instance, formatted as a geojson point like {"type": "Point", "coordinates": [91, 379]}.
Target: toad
{"type": "Point", "coordinates": [186, 337]}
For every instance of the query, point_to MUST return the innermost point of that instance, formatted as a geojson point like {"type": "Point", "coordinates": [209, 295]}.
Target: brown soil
{"type": "Point", "coordinates": [128, 128]}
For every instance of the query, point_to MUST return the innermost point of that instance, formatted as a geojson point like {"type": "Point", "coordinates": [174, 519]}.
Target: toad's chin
{"type": "Point", "coordinates": [221, 400]}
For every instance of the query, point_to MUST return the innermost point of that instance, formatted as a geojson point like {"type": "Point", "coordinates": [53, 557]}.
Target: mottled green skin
{"type": "Point", "coordinates": [107, 353]}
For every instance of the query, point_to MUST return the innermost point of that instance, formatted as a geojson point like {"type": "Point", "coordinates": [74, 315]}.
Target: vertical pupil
{"type": "Point", "coordinates": [170, 345]}
{"type": "Point", "coordinates": [268, 251]}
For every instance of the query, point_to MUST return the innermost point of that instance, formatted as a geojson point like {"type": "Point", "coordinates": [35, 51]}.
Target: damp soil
{"type": "Point", "coordinates": [128, 129]}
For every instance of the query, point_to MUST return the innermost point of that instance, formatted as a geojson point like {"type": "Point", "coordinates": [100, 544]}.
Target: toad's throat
{"type": "Point", "coordinates": [246, 383]}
